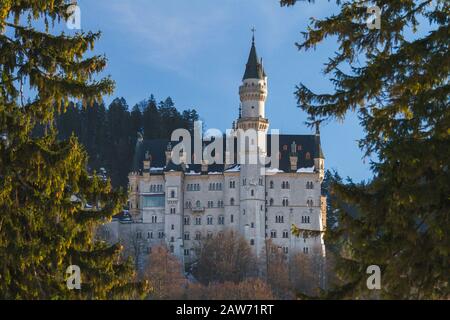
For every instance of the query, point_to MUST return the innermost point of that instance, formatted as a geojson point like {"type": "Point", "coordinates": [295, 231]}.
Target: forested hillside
{"type": "Point", "coordinates": [109, 133]}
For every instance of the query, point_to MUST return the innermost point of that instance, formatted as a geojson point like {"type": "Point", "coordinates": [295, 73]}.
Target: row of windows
{"type": "Point", "coordinates": [285, 234]}
{"type": "Point", "coordinates": [149, 235]}
{"type": "Point", "coordinates": [198, 204]}
{"type": "Point", "coordinates": [285, 202]}
{"type": "Point", "coordinates": [215, 186]}
{"type": "Point", "coordinates": [154, 188]}
{"type": "Point", "coordinates": [209, 220]}
{"type": "Point", "coordinates": [220, 204]}
{"type": "Point", "coordinates": [193, 187]}
{"type": "Point", "coordinates": [286, 185]}
{"type": "Point", "coordinates": [273, 249]}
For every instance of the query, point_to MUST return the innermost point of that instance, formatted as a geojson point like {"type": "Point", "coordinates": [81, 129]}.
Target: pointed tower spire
{"type": "Point", "coordinates": [254, 69]}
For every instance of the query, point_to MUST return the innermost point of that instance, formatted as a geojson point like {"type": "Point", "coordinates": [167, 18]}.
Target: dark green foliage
{"type": "Point", "coordinates": [45, 225]}
{"type": "Point", "coordinates": [109, 135]}
{"type": "Point", "coordinates": [397, 82]}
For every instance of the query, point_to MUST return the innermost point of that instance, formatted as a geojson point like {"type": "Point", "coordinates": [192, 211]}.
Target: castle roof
{"type": "Point", "coordinates": [305, 147]}
{"type": "Point", "coordinates": [254, 68]}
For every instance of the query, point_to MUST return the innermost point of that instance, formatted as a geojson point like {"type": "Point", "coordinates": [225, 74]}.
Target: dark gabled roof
{"type": "Point", "coordinates": [254, 68]}
{"type": "Point", "coordinates": [307, 147]}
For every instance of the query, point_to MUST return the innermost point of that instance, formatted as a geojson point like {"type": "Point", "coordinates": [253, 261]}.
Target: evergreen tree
{"type": "Point", "coordinates": [398, 85]}
{"type": "Point", "coordinates": [46, 225]}
{"type": "Point", "coordinates": [151, 119]}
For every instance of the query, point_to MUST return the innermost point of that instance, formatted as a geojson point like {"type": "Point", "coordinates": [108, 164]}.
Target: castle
{"type": "Point", "coordinates": [181, 202]}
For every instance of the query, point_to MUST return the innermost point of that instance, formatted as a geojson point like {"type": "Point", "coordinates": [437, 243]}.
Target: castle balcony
{"type": "Point", "coordinates": [198, 210]}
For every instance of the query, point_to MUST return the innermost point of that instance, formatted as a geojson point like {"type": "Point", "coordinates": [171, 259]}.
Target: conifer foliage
{"type": "Point", "coordinates": [49, 204]}
{"type": "Point", "coordinates": [396, 79]}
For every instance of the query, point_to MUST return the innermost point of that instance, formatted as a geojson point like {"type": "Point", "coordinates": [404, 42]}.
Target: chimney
{"type": "Point", "coordinates": [204, 166]}
{"type": "Point", "coordinates": [168, 153]}
{"type": "Point", "coordinates": [147, 161]}
{"type": "Point", "coordinates": [293, 158]}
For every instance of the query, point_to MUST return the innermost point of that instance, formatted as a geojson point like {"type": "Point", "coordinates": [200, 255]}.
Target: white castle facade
{"type": "Point", "coordinates": [181, 204]}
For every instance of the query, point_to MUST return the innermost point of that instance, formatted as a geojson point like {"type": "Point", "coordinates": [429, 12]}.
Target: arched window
{"type": "Point", "coordinates": [198, 204]}
{"type": "Point", "coordinates": [187, 220]}
{"type": "Point", "coordinates": [271, 184]}
{"type": "Point", "coordinates": [232, 202]}
{"type": "Point", "coordinates": [252, 192]}
{"type": "Point", "coordinates": [271, 202]}
{"type": "Point", "coordinates": [172, 194]}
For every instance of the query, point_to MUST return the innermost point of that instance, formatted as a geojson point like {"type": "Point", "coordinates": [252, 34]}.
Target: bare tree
{"type": "Point", "coordinates": [225, 257]}
{"type": "Point", "coordinates": [249, 289]}
{"type": "Point", "coordinates": [277, 271]}
{"type": "Point", "coordinates": [164, 274]}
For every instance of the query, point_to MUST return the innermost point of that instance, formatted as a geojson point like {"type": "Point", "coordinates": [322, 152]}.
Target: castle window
{"type": "Point", "coordinates": [210, 204]}
{"type": "Point", "coordinates": [172, 227]}
{"type": "Point", "coordinates": [252, 225]}
{"type": "Point", "coordinates": [220, 204]}
{"type": "Point", "coordinates": [261, 181]}
{"type": "Point", "coordinates": [150, 235]}
{"type": "Point", "coordinates": [285, 202]}
{"type": "Point", "coordinates": [232, 184]}
{"type": "Point", "coordinates": [161, 234]}
{"type": "Point", "coordinates": [186, 252]}
{"type": "Point", "coordinates": [231, 218]}
{"type": "Point", "coordinates": [306, 219]}
{"type": "Point", "coordinates": [285, 234]}
{"type": "Point", "coordinates": [198, 221]}
{"type": "Point", "coordinates": [271, 184]}
{"type": "Point", "coordinates": [198, 204]}
{"type": "Point", "coordinates": [285, 185]}
{"type": "Point", "coordinates": [305, 250]}
{"type": "Point", "coordinates": [138, 235]}
{"type": "Point", "coordinates": [244, 182]}
{"type": "Point", "coordinates": [273, 234]}
{"type": "Point", "coordinates": [209, 235]}
{"type": "Point", "coordinates": [252, 192]}
{"type": "Point", "coordinates": [308, 156]}
{"type": "Point", "coordinates": [198, 235]}
{"type": "Point", "coordinates": [252, 242]}
{"type": "Point", "coordinates": [232, 202]}
{"type": "Point", "coordinates": [309, 203]}
{"type": "Point", "coordinates": [173, 210]}
{"type": "Point", "coordinates": [221, 220]}
{"type": "Point", "coordinates": [154, 219]}
{"type": "Point", "coordinates": [279, 219]}
{"type": "Point", "coordinates": [171, 249]}
{"type": "Point", "coordinates": [187, 236]}
{"type": "Point", "coordinates": [187, 220]}
{"type": "Point", "coordinates": [172, 194]}
{"type": "Point", "coordinates": [271, 202]}
{"type": "Point", "coordinates": [209, 220]}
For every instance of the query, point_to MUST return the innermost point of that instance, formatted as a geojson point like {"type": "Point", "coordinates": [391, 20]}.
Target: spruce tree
{"type": "Point", "coordinates": [396, 79]}
{"type": "Point", "coordinates": [46, 224]}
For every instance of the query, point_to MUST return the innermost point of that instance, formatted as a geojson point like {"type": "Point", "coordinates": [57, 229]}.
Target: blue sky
{"type": "Point", "coordinates": [195, 51]}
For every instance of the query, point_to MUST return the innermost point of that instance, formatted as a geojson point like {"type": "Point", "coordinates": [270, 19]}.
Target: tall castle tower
{"type": "Point", "coordinates": [254, 125]}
